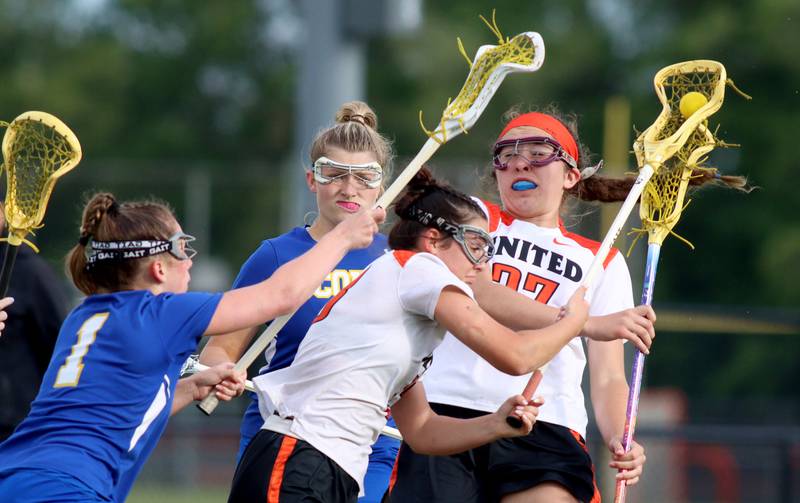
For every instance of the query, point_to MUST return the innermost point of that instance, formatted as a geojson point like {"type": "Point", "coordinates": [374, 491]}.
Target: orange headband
{"type": "Point", "coordinates": [553, 126]}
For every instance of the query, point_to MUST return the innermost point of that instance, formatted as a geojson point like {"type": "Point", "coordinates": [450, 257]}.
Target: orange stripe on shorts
{"type": "Point", "coordinates": [276, 479]}
{"type": "Point", "coordinates": [596, 496]}
{"type": "Point", "coordinates": [393, 476]}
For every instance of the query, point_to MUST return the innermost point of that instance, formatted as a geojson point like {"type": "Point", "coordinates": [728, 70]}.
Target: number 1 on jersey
{"type": "Point", "coordinates": [70, 372]}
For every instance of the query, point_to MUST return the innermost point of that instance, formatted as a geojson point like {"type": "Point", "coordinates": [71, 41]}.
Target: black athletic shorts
{"type": "Point", "coordinates": [550, 453]}
{"type": "Point", "coordinates": [279, 466]}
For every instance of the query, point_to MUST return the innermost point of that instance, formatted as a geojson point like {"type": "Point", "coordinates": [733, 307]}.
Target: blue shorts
{"type": "Point", "coordinates": [381, 461]}
{"type": "Point", "coordinates": [32, 485]}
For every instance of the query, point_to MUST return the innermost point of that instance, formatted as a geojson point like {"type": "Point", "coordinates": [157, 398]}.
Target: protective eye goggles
{"type": "Point", "coordinates": [475, 242]}
{"type": "Point", "coordinates": [177, 246]}
{"type": "Point", "coordinates": [535, 150]}
{"type": "Point", "coordinates": [328, 171]}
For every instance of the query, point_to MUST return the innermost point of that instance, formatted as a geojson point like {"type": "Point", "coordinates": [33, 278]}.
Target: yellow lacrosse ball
{"type": "Point", "coordinates": [691, 103]}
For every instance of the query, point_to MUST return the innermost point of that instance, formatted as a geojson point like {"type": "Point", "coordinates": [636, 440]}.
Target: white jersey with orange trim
{"type": "Point", "coordinates": [366, 346]}
{"type": "Point", "coordinates": [546, 264]}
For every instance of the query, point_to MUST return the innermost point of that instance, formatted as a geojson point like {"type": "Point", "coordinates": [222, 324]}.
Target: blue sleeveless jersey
{"type": "Point", "coordinates": [106, 396]}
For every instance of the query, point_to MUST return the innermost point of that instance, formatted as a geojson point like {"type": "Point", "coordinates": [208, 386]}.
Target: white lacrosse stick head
{"type": "Point", "coordinates": [521, 53]}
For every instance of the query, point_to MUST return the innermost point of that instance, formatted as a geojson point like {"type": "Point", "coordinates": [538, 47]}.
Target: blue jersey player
{"type": "Point", "coordinates": [348, 165]}
{"type": "Point", "coordinates": [113, 378]}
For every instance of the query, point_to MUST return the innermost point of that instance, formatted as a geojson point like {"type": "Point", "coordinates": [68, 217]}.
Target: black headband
{"type": "Point", "coordinates": [428, 219]}
{"type": "Point", "coordinates": [97, 251]}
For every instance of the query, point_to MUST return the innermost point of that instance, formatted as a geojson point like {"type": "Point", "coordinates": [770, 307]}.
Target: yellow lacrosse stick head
{"type": "Point", "coordinates": [37, 150]}
{"type": "Point", "coordinates": [678, 141]}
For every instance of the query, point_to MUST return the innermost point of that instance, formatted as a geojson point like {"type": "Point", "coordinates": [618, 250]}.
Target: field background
{"type": "Point", "coordinates": [210, 106]}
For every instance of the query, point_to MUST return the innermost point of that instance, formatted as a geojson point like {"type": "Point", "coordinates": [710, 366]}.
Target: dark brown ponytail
{"type": "Point", "coordinates": [609, 189]}
{"type": "Point", "coordinates": [439, 199]}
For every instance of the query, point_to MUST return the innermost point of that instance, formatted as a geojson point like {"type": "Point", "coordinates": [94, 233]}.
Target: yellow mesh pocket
{"type": "Point", "coordinates": [519, 50]}
{"type": "Point", "coordinates": [37, 149]}
{"type": "Point", "coordinates": [676, 146]}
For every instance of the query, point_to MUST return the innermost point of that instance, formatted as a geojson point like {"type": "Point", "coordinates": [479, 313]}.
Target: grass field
{"type": "Point", "coordinates": [166, 494]}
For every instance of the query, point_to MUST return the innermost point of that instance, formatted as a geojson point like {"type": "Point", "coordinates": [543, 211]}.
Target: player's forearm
{"type": "Point", "coordinates": [515, 353]}
{"type": "Point", "coordinates": [285, 291]}
{"type": "Point", "coordinates": [610, 399]}
{"type": "Point", "coordinates": [226, 347]}
{"type": "Point", "coordinates": [184, 394]}
{"type": "Point", "coordinates": [512, 309]}
{"type": "Point", "coordinates": [212, 355]}
{"type": "Point", "coordinates": [541, 346]}
{"type": "Point", "coordinates": [298, 279]}
{"type": "Point", "coordinates": [443, 436]}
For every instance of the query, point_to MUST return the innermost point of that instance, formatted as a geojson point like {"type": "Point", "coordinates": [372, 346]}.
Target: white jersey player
{"type": "Point", "coordinates": [368, 346]}
{"type": "Point", "coordinates": [536, 160]}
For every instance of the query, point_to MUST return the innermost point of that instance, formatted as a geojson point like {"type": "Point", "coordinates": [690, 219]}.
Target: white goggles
{"type": "Point", "coordinates": [327, 171]}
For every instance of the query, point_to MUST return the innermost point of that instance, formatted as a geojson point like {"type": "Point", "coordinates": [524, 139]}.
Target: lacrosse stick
{"type": "Point", "coordinates": [193, 366]}
{"type": "Point", "coordinates": [38, 149]}
{"type": "Point", "coordinates": [685, 90]}
{"type": "Point", "coordinates": [522, 53]}
{"type": "Point", "coordinates": [669, 134]}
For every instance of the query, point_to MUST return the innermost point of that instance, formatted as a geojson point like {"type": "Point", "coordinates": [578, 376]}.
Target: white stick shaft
{"type": "Point", "coordinates": [392, 433]}
{"type": "Point", "coordinates": [425, 153]}
{"type": "Point", "coordinates": [210, 403]}
{"type": "Point", "coordinates": [263, 341]}
{"type": "Point", "coordinates": [613, 232]}
{"type": "Point", "coordinates": [249, 386]}
{"type": "Point", "coordinates": [619, 222]}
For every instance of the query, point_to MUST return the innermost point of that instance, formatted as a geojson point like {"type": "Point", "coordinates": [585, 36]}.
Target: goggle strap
{"type": "Point", "coordinates": [98, 251]}
{"type": "Point", "coordinates": [428, 219]}
{"type": "Point", "coordinates": [121, 250]}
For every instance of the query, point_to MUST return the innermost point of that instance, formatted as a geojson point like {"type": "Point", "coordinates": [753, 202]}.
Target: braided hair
{"type": "Point", "coordinates": [104, 219]}
{"type": "Point", "coordinates": [608, 189]}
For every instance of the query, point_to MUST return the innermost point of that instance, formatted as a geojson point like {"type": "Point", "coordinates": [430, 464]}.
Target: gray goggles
{"type": "Point", "coordinates": [475, 242]}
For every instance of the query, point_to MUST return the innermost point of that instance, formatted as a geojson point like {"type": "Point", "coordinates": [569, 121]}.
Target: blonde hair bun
{"type": "Point", "coordinates": [357, 111]}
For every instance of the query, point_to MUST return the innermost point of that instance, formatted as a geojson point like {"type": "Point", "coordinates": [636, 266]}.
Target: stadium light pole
{"type": "Point", "coordinates": [331, 66]}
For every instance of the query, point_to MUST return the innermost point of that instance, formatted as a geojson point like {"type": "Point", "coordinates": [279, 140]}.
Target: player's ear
{"type": "Point", "coordinates": [157, 271]}
{"type": "Point", "coordinates": [312, 186]}
{"type": "Point", "coordinates": [428, 241]}
{"type": "Point", "coordinates": [571, 177]}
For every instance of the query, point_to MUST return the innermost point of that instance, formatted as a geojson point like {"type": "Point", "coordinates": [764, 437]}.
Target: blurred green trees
{"type": "Point", "coordinates": [159, 90]}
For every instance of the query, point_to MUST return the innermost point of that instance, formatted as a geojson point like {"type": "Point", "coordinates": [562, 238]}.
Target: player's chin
{"type": "Point", "coordinates": [469, 278]}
